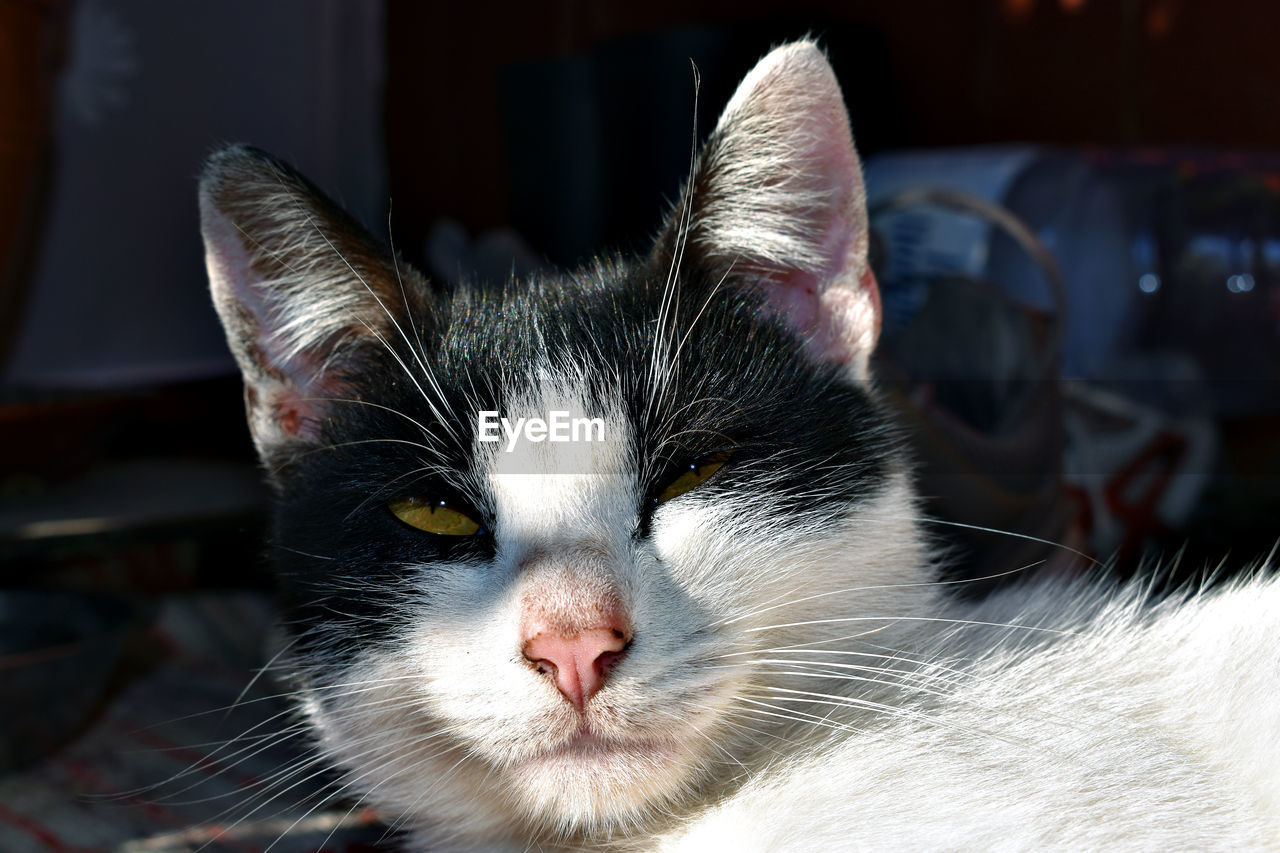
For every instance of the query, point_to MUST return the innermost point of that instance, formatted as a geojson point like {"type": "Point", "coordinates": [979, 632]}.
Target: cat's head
{"type": "Point", "coordinates": [577, 634]}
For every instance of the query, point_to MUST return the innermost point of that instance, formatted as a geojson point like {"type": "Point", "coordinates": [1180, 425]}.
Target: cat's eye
{"type": "Point", "coordinates": [695, 475]}
{"type": "Point", "coordinates": [436, 517]}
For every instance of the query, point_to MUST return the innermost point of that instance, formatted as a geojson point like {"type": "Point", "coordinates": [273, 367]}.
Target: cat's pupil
{"type": "Point", "coordinates": [697, 473]}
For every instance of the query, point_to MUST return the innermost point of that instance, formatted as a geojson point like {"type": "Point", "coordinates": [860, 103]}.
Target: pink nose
{"type": "Point", "coordinates": [578, 664]}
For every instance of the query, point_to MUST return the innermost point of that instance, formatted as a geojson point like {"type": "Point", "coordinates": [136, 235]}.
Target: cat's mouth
{"type": "Point", "coordinates": [588, 747]}
{"type": "Point", "coordinates": [592, 780]}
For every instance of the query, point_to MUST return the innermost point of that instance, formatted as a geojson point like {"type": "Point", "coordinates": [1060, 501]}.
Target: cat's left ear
{"type": "Point", "coordinates": [776, 201]}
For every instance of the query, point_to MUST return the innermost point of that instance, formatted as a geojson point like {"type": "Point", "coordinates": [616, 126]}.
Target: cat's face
{"type": "Point", "coordinates": [532, 635]}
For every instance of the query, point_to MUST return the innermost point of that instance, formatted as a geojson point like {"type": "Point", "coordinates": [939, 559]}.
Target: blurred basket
{"type": "Point", "coordinates": [974, 375]}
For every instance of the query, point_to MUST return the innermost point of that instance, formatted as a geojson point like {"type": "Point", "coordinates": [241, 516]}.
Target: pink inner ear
{"type": "Point", "coordinates": [840, 324]}
{"type": "Point", "coordinates": [834, 305]}
{"type": "Point", "coordinates": [795, 298]}
{"type": "Point", "coordinates": [284, 393]}
{"type": "Point", "coordinates": [289, 400]}
{"type": "Point", "coordinates": [293, 415]}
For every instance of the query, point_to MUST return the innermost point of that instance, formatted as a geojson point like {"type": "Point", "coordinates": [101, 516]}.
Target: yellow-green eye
{"type": "Point", "coordinates": [697, 474]}
{"type": "Point", "coordinates": [434, 517]}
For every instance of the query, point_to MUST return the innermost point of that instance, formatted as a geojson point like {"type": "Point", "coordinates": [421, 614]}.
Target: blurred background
{"type": "Point", "coordinates": [1076, 228]}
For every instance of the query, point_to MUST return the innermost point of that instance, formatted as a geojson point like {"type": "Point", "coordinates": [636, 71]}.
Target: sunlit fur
{"type": "Point", "coordinates": [797, 679]}
{"type": "Point", "coordinates": [1108, 722]}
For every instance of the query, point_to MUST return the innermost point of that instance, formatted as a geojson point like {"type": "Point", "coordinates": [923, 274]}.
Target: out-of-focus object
{"type": "Point", "coordinates": [57, 652]}
{"type": "Point", "coordinates": [31, 33]}
{"type": "Point", "coordinates": [1138, 471]}
{"type": "Point", "coordinates": [117, 298]}
{"type": "Point", "coordinates": [453, 255]}
{"type": "Point", "coordinates": [1171, 345]}
{"type": "Point", "coordinates": [1204, 261]}
{"type": "Point", "coordinates": [974, 373]}
{"type": "Point", "coordinates": [1204, 267]}
{"type": "Point", "coordinates": [1070, 208]}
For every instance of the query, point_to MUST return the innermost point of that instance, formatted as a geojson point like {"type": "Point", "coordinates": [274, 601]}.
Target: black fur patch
{"type": "Point", "coordinates": [805, 439]}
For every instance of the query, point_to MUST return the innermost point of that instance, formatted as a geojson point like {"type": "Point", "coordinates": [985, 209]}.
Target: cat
{"type": "Point", "coordinates": [713, 622]}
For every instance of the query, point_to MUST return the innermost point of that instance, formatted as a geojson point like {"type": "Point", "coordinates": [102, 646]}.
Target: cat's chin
{"type": "Point", "coordinates": [591, 782]}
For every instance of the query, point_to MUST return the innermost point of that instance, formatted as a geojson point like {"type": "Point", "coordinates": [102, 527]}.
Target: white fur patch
{"type": "Point", "coordinates": [1143, 728]}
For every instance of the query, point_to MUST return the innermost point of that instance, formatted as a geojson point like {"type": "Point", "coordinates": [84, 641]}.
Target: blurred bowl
{"type": "Point", "coordinates": [57, 652]}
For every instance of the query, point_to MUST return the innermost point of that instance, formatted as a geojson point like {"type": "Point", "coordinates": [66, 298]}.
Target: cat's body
{"type": "Point", "coordinates": [718, 624]}
{"type": "Point", "coordinates": [1143, 727]}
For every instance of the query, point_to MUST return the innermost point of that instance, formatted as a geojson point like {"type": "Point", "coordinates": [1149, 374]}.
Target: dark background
{"type": "Point", "coordinates": [1129, 73]}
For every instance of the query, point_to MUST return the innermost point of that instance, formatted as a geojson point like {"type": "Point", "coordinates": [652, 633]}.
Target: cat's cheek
{"type": "Point", "coordinates": [464, 644]}
{"type": "Point", "coordinates": [382, 734]}
{"type": "Point", "coordinates": [720, 551]}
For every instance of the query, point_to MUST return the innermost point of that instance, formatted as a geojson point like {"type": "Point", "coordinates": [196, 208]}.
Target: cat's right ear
{"type": "Point", "coordinates": [302, 291]}
{"type": "Point", "coordinates": [776, 204]}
